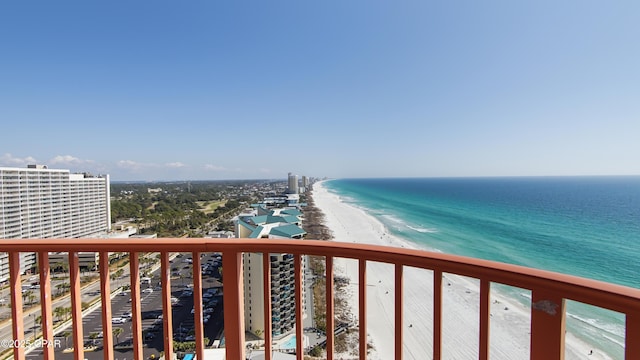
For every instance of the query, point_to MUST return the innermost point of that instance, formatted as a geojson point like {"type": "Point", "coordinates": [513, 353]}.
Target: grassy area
{"type": "Point", "coordinates": [210, 206]}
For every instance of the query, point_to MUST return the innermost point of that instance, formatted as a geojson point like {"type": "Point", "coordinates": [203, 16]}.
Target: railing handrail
{"type": "Point", "coordinates": [598, 293]}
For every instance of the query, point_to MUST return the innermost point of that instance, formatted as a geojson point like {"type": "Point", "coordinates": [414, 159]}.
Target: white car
{"type": "Point", "coordinates": [118, 320]}
{"type": "Point", "coordinates": [148, 290]}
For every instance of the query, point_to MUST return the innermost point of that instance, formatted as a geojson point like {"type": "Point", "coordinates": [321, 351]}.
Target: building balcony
{"type": "Point", "coordinates": [549, 291]}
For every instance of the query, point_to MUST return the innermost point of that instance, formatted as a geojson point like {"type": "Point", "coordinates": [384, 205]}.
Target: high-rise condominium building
{"type": "Point", "coordinates": [293, 184]}
{"type": "Point", "coordinates": [38, 203]}
{"type": "Point", "coordinates": [272, 224]}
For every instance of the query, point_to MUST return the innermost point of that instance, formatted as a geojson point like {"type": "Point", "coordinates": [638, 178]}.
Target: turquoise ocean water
{"type": "Point", "coordinates": [583, 226]}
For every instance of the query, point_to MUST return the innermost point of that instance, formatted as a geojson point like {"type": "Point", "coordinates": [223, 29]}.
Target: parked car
{"type": "Point", "coordinates": [118, 320]}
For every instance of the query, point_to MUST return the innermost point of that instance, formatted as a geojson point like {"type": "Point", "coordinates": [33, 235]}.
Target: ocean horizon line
{"type": "Point", "coordinates": [484, 177]}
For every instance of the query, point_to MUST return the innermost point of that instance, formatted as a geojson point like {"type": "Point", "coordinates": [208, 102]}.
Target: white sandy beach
{"type": "Point", "coordinates": [509, 320]}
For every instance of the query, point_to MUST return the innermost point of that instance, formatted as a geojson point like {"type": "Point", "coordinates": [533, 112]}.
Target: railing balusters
{"type": "Point", "coordinates": [330, 323]}
{"type": "Point", "coordinates": [437, 315]}
{"type": "Point", "coordinates": [167, 314]}
{"type": "Point", "coordinates": [76, 306]}
{"type": "Point", "coordinates": [485, 292]}
{"type": "Point", "coordinates": [362, 303]}
{"type": "Point", "coordinates": [547, 325]}
{"type": "Point", "coordinates": [16, 304]}
{"type": "Point", "coordinates": [233, 304]}
{"type": "Point", "coordinates": [299, 306]}
{"type": "Point", "coordinates": [136, 323]}
{"type": "Point", "coordinates": [268, 327]}
{"type": "Point", "coordinates": [105, 298]}
{"type": "Point", "coordinates": [399, 305]}
{"type": "Point", "coordinates": [549, 291]}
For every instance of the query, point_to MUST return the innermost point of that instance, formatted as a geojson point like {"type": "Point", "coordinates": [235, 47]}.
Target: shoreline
{"type": "Point", "coordinates": [509, 320]}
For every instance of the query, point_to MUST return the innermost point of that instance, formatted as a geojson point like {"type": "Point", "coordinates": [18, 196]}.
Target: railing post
{"type": "Point", "coordinates": [197, 302]}
{"type": "Point", "coordinates": [330, 324]}
{"type": "Point", "coordinates": [76, 306]}
{"type": "Point", "coordinates": [399, 308]}
{"type": "Point", "coordinates": [167, 314]}
{"type": "Point", "coordinates": [16, 304]}
{"type": "Point", "coordinates": [268, 327]}
{"type": "Point", "coordinates": [299, 286]}
{"type": "Point", "coordinates": [485, 294]}
{"type": "Point", "coordinates": [437, 315]}
{"type": "Point", "coordinates": [632, 336]}
{"type": "Point", "coordinates": [136, 320]}
{"type": "Point", "coordinates": [547, 326]}
{"type": "Point", "coordinates": [233, 304]}
{"type": "Point", "coordinates": [46, 317]}
{"type": "Point", "coordinates": [362, 303]}
{"type": "Point", "coordinates": [105, 297]}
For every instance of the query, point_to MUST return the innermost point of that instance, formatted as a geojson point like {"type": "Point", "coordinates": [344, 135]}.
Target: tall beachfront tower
{"type": "Point", "coordinates": [40, 203]}
{"type": "Point", "coordinates": [274, 224]}
{"type": "Point", "coordinates": [293, 184]}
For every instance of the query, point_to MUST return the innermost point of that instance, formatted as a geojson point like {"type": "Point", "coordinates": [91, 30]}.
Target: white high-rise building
{"type": "Point", "coordinates": [293, 184]}
{"type": "Point", "coordinates": [39, 203]}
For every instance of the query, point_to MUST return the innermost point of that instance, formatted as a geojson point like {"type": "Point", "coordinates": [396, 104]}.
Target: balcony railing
{"type": "Point", "coordinates": [549, 291]}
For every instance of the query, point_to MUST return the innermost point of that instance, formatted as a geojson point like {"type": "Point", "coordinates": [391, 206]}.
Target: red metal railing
{"type": "Point", "coordinates": [547, 327]}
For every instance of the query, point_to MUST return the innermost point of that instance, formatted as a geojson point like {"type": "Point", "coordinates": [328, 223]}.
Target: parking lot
{"type": "Point", "coordinates": [151, 313]}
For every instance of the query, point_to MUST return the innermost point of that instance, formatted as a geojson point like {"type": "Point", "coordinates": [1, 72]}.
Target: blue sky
{"type": "Point", "coordinates": [168, 90]}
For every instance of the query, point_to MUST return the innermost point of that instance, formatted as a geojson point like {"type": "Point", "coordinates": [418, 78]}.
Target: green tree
{"type": "Point", "coordinates": [67, 312]}
{"type": "Point", "coordinates": [66, 335]}
{"type": "Point", "coordinates": [117, 331]}
{"type": "Point", "coordinates": [93, 336]}
{"type": "Point", "coordinates": [58, 312]}
{"type": "Point", "coordinates": [26, 294]}
{"type": "Point", "coordinates": [32, 297]}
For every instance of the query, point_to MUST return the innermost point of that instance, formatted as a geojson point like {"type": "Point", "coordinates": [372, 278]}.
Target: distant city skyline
{"type": "Point", "coordinates": [162, 91]}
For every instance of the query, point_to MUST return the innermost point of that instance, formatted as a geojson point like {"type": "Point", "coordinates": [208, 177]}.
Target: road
{"type": "Point", "coordinates": [89, 293]}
